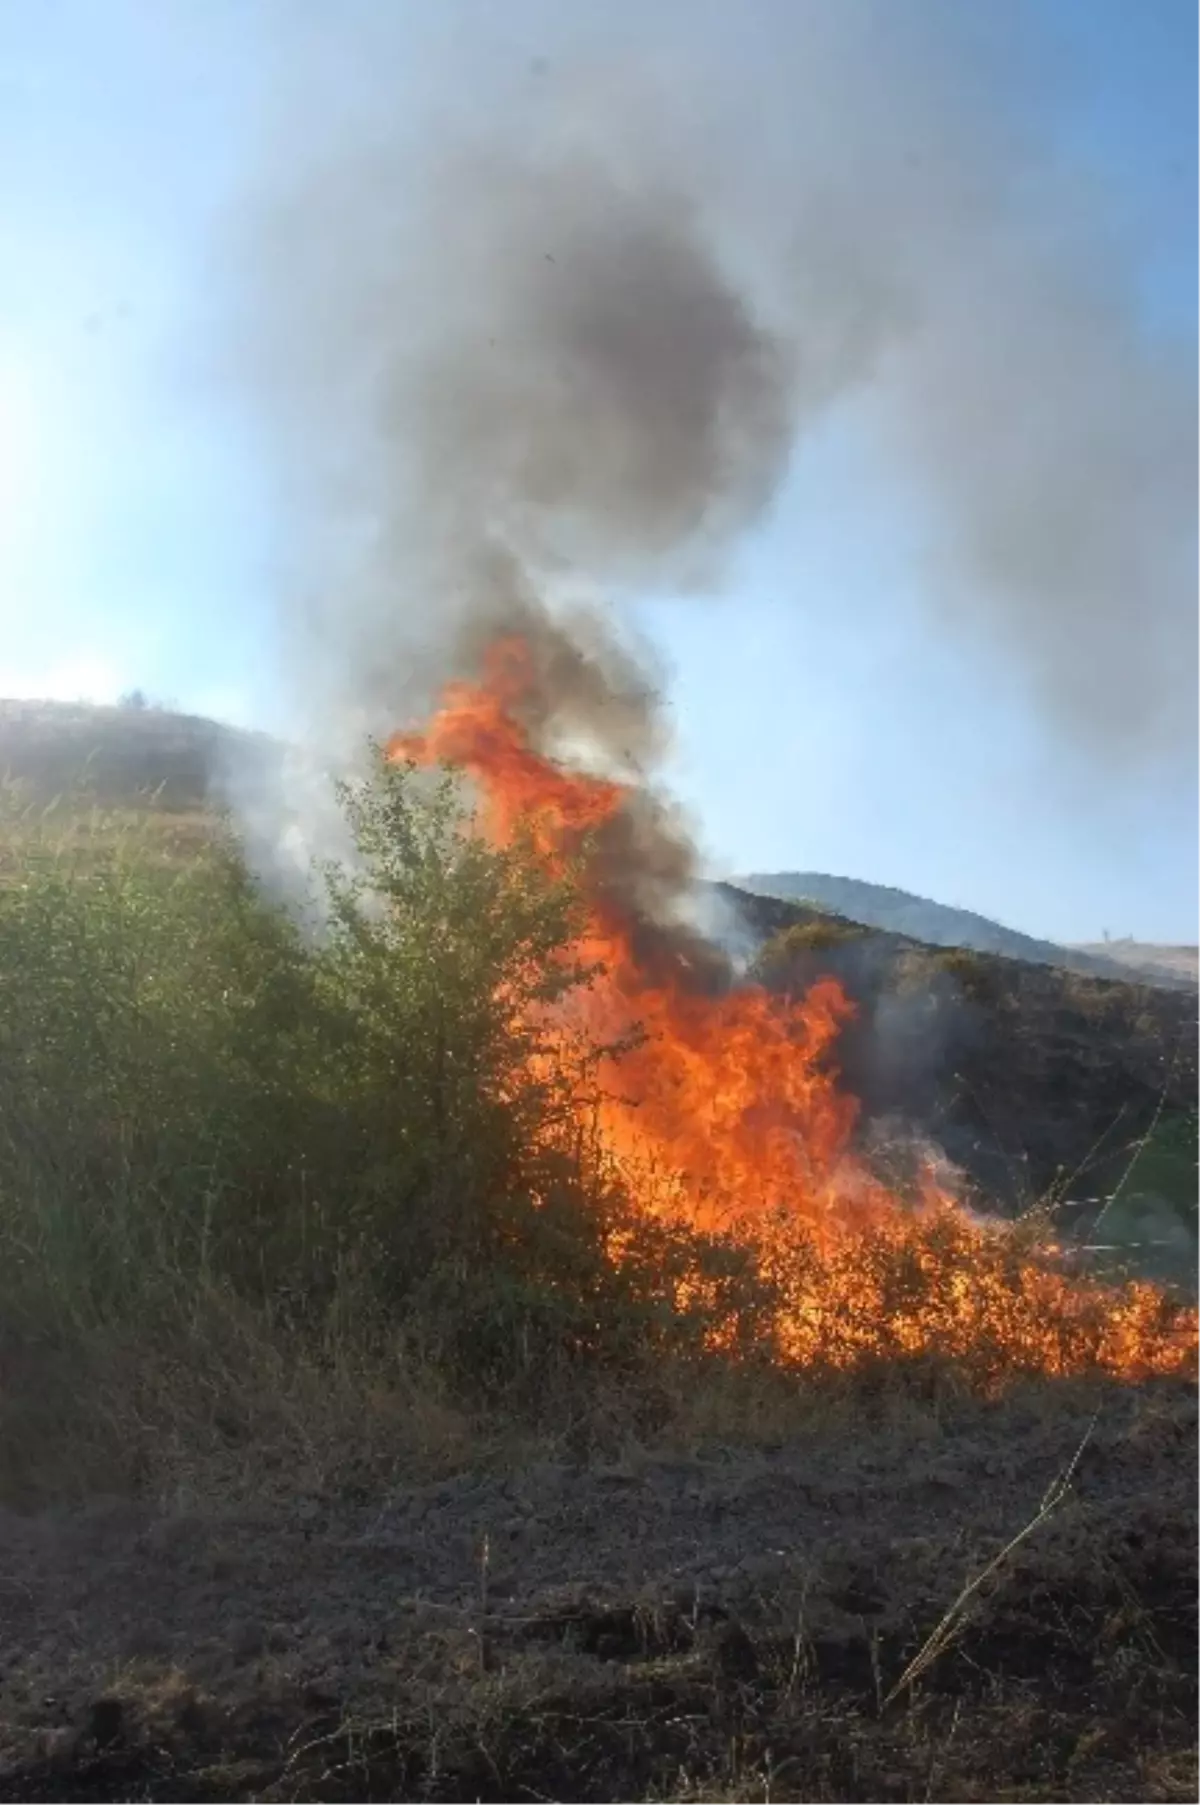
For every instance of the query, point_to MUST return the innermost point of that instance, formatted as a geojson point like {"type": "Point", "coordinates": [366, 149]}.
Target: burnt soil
{"type": "Point", "coordinates": [722, 1623]}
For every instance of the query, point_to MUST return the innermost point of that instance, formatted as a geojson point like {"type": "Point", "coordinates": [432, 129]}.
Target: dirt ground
{"type": "Point", "coordinates": [723, 1623]}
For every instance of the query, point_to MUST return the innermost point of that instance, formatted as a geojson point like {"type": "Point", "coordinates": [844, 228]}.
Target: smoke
{"type": "Point", "coordinates": [523, 379]}
{"type": "Point", "coordinates": [532, 375]}
{"type": "Point", "coordinates": [527, 338]}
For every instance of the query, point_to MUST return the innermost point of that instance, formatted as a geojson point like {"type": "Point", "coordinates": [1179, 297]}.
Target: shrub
{"type": "Point", "coordinates": [369, 1137]}
{"type": "Point", "coordinates": [799, 948]}
{"type": "Point", "coordinates": [973, 973]}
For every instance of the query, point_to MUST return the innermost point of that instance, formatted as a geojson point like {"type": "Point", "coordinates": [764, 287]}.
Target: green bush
{"type": "Point", "coordinates": [798, 948]}
{"type": "Point", "coordinates": [973, 973]}
{"type": "Point", "coordinates": [361, 1136]}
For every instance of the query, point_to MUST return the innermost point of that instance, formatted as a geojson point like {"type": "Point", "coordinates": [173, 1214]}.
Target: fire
{"type": "Point", "coordinates": [732, 1097]}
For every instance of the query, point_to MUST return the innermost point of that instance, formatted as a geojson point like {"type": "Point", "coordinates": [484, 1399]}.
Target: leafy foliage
{"type": "Point", "coordinates": [364, 1135]}
{"type": "Point", "coordinates": [798, 949]}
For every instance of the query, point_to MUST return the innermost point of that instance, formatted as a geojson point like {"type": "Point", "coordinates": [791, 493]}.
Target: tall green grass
{"type": "Point", "coordinates": [228, 1139]}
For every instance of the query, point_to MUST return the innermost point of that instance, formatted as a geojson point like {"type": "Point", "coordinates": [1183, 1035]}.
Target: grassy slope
{"type": "Point", "coordinates": [123, 757]}
{"type": "Point", "coordinates": [327, 1577]}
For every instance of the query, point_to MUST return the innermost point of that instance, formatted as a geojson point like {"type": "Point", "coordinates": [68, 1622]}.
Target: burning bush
{"type": "Point", "coordinates": [356, 1146]}
{"type": "Point", "coordinates": [729, 1096]}
{"type": "Point", "coordinates": [468, 1124]}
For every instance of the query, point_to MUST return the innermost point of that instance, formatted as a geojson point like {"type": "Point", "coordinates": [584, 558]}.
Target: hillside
{"type": "Point", "coordinates": [120, 756]}
{"type": "Point", "coordinates": [1148, 957]}
{"type": "Point", "coordinates": [1033, 1079]}
{"type": "Point", "coordinates": [900, 912]}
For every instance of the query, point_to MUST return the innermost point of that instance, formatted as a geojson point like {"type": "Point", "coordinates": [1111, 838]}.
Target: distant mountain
{"type": "Point", "coordinates": [900, 912]}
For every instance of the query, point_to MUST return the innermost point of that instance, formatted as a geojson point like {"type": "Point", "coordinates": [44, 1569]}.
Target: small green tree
{"type": "Point", "coordinates": [443, 1051]}
{"type": "Point", "coordinates": [383, 1123]}
{"type": "Point", "coordinates": [383, 1132]}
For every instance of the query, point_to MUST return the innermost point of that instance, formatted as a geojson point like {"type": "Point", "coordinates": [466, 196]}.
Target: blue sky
{"type": "Point", "coordinates": [821, 720]}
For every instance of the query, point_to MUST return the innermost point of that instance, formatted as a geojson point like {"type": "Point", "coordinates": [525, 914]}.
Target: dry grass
{"type": "Point", "coordinates": [1071, 1676]}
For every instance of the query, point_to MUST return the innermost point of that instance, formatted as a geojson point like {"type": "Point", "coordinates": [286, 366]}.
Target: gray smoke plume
{"type": "Point", "coordinates": [530, 336]}
{"type": "Point", "coordinates": [533, 374]}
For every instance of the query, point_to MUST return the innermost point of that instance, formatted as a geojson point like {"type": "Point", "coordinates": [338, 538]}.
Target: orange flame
{"type": "Point", "coordinates": [733, 1096]}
